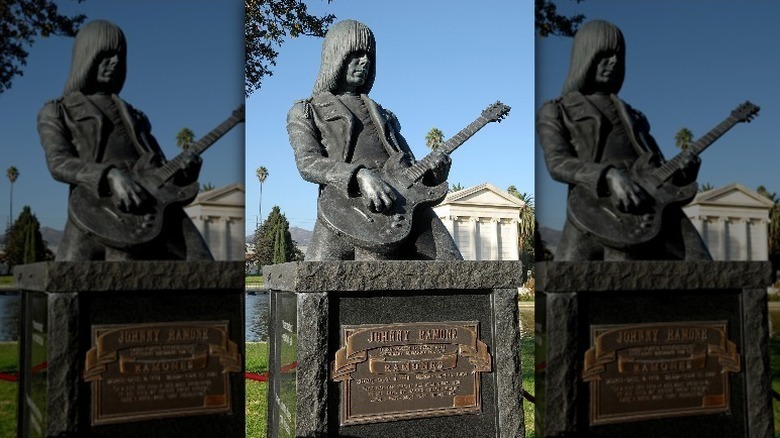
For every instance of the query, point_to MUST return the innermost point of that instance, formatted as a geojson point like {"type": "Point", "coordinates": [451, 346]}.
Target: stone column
{"type": "Point", "coordinates": [473, 238]}
{"type": "Point", "coordinates": [496, 242]}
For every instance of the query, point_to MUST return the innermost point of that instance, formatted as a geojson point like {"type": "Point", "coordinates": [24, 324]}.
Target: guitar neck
{"type": "Point", "coordinates": [418, 169]}
{"type": "Point", "coordinates": [166, 171]}
{"type": "Point", "coordinates": [668, 169]}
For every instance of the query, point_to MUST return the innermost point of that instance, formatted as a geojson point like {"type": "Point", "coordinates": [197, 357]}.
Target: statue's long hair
{"type": "Point", "coordinates": [94, 38]}
{"type": "Point", "coordinates": [343, 38]}
{"type": "Point", "coordinates": [592, 38]}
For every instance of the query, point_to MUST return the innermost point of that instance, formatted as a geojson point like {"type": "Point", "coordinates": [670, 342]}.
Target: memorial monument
{"type": "Point", "coordinates": [114, 344]}
{"type": "Point", "coordinates": [384, 330]}
{"type": "Point", "coordinates": [641, 334]}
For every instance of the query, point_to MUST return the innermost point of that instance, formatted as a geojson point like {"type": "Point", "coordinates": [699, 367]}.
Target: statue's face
{"type": "Point", "coordinates": [357, 70]}
{"type": "Point", "coordinates": [608, 67]}
{"type": "Point", "coordinates": [107, 69]}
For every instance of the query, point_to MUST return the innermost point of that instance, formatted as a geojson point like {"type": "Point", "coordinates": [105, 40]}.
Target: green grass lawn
{"type": "Point", "coordinates": [9, 362]}
{"type": "Point", "coordinates": [256, 392]}
{"type": "Point", "coordinates": [774, 355]}
{"type": "Point", "coordinates": [6, 280]}
{"type": "Point", "coordinates": [527, 347]}
{"type": "Point", "coordinates": [254, 280]}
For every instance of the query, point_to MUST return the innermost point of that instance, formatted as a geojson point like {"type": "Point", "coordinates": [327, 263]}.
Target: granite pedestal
{"type": "Point", "coordinates": [131, 349]}
{"type": "Point", "coordinates": [394, 348]}
{"type": "Point", "coordinates": [651, 349]}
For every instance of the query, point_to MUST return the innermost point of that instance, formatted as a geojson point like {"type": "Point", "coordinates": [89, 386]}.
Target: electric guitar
{"type": "Point", "coordinates": [617, 229]}
{"type": "Point", "coordinates": [100, 217]}
{"type": "Point", "coordinates": [381, 231]}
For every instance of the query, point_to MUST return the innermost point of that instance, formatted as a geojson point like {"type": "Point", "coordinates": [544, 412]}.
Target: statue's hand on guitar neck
{"type": "Point", "coordinates": [439, 168]}
{"type": "Point", "coordinates": [688, 169]}
{"type": "Point", "coordinates": [189, 170]}
{"type": "Point", "coordinates": [377, 195]}
{"type": "Point", "coordinates": [127, 194]}
{"type": "Point", "coordinates": [627, 195]}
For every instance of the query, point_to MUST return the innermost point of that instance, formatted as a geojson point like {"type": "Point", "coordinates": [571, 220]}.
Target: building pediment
{"type": "Point", "coordinates": [732, 195]}
{"type": "Point", "coordinates": [230, 195]}
{"type": "Point", "coordinates": [485, 194]}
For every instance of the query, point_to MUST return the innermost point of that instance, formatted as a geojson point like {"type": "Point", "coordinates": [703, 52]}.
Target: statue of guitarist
{"type": "Point", "coordinates": [93, 141]}
{"type": "Point", "coordinates": [342, 139]}
{"type": "Point", "coordinates": [593, 141]}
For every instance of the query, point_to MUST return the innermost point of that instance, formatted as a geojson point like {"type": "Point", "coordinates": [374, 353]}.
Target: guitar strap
{"type": "Point", "coordinates": [625, 118]}
{"type": "Point", "coordinates": [381, 124]}
{"type": "Point", "coordinates": [129, 126]}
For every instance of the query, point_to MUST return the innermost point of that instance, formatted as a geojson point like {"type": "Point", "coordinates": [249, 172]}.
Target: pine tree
{"type": "Point", "coordinates": [23, 240]}
{"type": "Point", "coordinates": [275, 229]}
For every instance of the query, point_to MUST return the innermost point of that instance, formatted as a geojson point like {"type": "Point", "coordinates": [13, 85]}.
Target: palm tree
{"type": "Point", "coordinates": [705, 187]}
{"type": "Point", "coordinates": [434, 138]}
{"type": "Point", "coordinates": [262, 174]}
{"type": "Point", "coordinates": [527, 214]}
{"type": "Point", "coordinates": [184, 138]}
{"type": "Point", "coordinates": [774, 220]}
{"type": "Point", "coordinates": [13, 174]}
{"type": "Point", "coordinates": [683, 139]}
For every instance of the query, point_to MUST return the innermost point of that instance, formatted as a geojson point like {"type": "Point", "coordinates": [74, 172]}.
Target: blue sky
{"type": "Point", "coordinates": [439, 64]}
{"type": "Point", "coordinates": [689, 63]}
{"type": "Point", "coordinates": [185, 68]}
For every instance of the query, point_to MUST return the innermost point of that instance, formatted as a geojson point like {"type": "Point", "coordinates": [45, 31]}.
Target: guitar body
{"type": "Point", "coordinates": [118, 229]}
{"type": "Point", "coordinates": [621, 230]}
{"type": "Point", "coordinates": [99, 217]}
{"type": "Point", "coordinates": [378, 231]}
{"type": "Point", "coordinates": [385, 231]}
{"type": "Point", "coordinates": [616, 229]}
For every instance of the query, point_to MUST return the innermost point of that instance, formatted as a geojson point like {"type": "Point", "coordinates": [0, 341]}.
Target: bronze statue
{"type": "Point", "coordinates": [118, 176]}
{"type": "Point", "coordinates": [602, 148]}
{"type": "Point", "coordinates": [349, 145]}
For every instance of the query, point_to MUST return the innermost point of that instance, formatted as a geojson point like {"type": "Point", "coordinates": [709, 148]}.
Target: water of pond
{"type": "Point", "coordinates": [9, 316]}
{"type": "Point", "coordinates": [257, 317]}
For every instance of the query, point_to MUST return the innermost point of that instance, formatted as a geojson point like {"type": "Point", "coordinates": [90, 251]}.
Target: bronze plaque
{"type": "Point", "coordinates": [642, 371]}
{"type": "Point", "coordinates": [399, 371]}
{"type": "Point", "coordinates": [149, 371]}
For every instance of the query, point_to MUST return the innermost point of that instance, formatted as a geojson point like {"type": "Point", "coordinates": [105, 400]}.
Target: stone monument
{"type": "Point", "coordinates": [114, 344]}
{"type": "Point", "coordinates": [639, 332]}
{"type": "Point", "coordinates": [384, 330]}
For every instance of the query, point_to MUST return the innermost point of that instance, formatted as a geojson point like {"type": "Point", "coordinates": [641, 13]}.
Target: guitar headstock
{"type": "Point", "coordinates": [239, 113]}
{"type": "Point", "coordinates": [496, 112]}
{"type": "Point", "coordinates": [745, 112]}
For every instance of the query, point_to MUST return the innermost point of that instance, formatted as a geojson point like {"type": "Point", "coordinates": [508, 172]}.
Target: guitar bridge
{"type": "Point", "coordinates": [365, 216]}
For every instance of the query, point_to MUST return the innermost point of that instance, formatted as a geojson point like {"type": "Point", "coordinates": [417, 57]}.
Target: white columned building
{"type": "Point", "coordinates": [483, 220]}
{"type": "Point", "coordinates": [733, 221]}
{"type": "Point", "coordinates": [219, 216]}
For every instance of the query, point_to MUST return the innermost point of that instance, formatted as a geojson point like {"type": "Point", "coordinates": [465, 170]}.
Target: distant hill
{"type": "Point", "coordinates": [551, 237]}
{"type": "Point", "coordinates": [51, 236]}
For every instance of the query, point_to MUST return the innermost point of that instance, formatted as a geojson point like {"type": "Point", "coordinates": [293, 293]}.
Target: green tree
{"type": "Point", "coordinates": [13, 174]}
{"type": "Point", "coordinates": [262, 175]}
{"type": "Point", "coordinates": [434, 138]}
{"type": "Point", "coordinates": [705, 187]}
{"type": "Point", "coordinates": [549, 22]}
{"type": "Point", "coordinates": [774, 226]}
{"type": "Point", "coordinates": [21, 21]}
{"type": "Point", "coordinates": [273, 241]}
{"type": "Point", "coordinates": [23, 241]}
{"type": "Point", "coordinates": [206, 187]}
{"type": "Point", "coordinates": [526, 227]}
{"type": "Point", "coordinates": [280, 245]}
{"type": "Point", "coordinates": [683, 139]}
{"type": "Point", "coordinates": [455, 187]}
{"type": "Point", "coordinates": [267, 24]}
{"type": "Point", "coordinates": [185, 138]}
